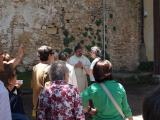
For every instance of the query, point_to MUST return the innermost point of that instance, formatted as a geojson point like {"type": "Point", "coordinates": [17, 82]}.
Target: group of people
{"type": "Point", "coordinates": [61, 90]}
{"type": "Point", "coordinates": [11, 105]}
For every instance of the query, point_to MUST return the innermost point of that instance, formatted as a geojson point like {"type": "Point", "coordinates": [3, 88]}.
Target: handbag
{"type": "Point", "coordinates": [113, 100]}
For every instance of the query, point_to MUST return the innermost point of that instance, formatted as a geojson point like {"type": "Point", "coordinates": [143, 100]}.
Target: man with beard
{"type": "Point", "coordinates": [81, 65]}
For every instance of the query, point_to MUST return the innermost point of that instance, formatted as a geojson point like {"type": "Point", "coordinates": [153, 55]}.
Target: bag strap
{"type": "Point", "coordinates": [112, 99]}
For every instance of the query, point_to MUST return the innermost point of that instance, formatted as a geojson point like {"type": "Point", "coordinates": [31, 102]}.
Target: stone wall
{"type": "Point", "coordinates": [64, 23]}
{"type": "Point", "coordinates": [124, 42]}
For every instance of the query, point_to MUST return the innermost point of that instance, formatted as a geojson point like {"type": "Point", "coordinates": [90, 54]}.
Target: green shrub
{"type": "Point", "coordinates": [145, 66]}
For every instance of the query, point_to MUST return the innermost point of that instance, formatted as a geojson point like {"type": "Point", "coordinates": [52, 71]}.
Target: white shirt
{"type": "Point", "coordinates": [5, 111]}
{"type": "Point", "coordinates": [80, 73]}
{"type": "Point", "coordinates": [84, 60]}
{"type": "Point", "coordinates": [91, 68]}
{"type": "Point", "coordinates": [72, 75]}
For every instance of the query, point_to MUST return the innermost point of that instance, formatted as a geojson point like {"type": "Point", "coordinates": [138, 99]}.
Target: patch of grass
{"type": "Point", "coordinates": [26, 77]}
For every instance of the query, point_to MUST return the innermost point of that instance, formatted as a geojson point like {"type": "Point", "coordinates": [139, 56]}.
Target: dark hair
{"type": "Point", "coordinates": [102, 71]}
{"type": "Point", "coordinates": [63, 56]}
{"type": "Point", "coordinates": [7, 74]}
{"type": "Point", "coordinates": [151, 106]}
{"type": "Point", "coordinates": [78, 46]}
{"type": "Point", "coordinates": [68, 50]}
{"type": "Point", "coordinates": [44, 51]}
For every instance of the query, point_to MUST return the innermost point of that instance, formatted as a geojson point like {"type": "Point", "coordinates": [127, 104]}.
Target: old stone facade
{"type": "Point", "coordinates": [64, 23]}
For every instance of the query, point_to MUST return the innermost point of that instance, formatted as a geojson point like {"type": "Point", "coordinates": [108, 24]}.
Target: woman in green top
{"type": "Point", "coordinates": [105, 110]}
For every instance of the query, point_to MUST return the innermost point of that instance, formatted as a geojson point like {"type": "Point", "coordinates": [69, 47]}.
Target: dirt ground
{"type": "Point", "coordinates": [135, 94]}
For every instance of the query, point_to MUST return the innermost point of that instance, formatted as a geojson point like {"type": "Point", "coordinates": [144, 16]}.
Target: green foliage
{"type": "Point", "coordinates": [99, 44]}
{"type": "Point", "coordinates": [66, 41]}
{"type": "Point", "coordinates": [114, 28]}
{"type": "Point", "coordinates": [67, 38]}
{"type": "Point", "coordinates": [98, 37]}
{"type": "Point", "coordinates": [90, 29]}
{"type": "Point", "coordinates": [86, 28]}
{"type": "Point", "coordinates": [65, 32]}
{"type": "Point", "coordinates": [98, 22]}
{"type": "Point", "coordinates": [93, 42]}
{"type": "Point", "coordinates": [145, 66]}
{"type": "Point", "coordinates": [72, 38]}
{"type": "Point", "coordinates": [85, 34]}
{"type": "Point", "coordinates": [82, 41]}
{"type": "Point", "coordinates": [94, 35]}
{"type": "Point", "coordinates": [68, 50]}
{"type": "Point", "coordinates": [98, 31]}
{"type": "Point", "coordinates": [88, 47]}
{"type": "Point", "coordinates": [106, 27]}
{"type": "Point", "coordinates": [111, 16]}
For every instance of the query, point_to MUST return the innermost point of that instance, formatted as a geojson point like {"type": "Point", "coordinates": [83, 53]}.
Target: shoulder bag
{"type": "Point", "coordinates": [113, 100]}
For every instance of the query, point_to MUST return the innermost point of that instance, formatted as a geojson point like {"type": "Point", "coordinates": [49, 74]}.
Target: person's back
{"type": "Point", "coordinates": [105, 109]}
{"type": "Point", "coordinates": [59, 100]}
{"type": "Point", "coordinates": [39, 77]}
{"type": "Point", "coordinates": [39, 73]}
{"type": "Point", "coordinates": [103, 104]}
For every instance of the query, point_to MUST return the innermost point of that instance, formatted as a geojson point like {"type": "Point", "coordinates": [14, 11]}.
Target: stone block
{"type": "Point", "coordinates": [53, 30]}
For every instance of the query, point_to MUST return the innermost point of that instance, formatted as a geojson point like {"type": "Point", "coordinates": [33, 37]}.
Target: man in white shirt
{"type": "Point", "coordinates": [81, 65]}
{"type": "Point", "coordinates": [5, 111]}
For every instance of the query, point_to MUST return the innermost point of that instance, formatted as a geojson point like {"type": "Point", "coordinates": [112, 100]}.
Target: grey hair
{"type": "Point", "coordinates": [58, 70]}
{"type": "Point", "coordinates": [97, 51]}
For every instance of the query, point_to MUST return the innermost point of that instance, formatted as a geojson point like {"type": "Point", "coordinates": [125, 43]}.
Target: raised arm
{"type": "Point", "coordinates": [19, 56]}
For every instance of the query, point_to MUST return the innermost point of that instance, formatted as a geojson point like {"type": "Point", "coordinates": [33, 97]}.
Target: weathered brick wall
{"type": "Point", "coordinates": [123, 44]}
{"type": "Point", "coordinates": [63, 23]}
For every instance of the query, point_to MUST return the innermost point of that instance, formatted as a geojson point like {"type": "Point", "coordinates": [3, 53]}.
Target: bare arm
{"type": "Point", "coordinates": [18, 58]}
